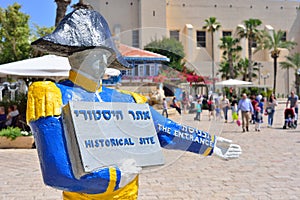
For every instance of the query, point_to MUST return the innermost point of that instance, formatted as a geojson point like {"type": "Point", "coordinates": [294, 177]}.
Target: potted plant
{"type": "Point", "coordinates": [15, 138]}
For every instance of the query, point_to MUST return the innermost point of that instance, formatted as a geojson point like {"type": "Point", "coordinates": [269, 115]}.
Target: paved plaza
{"type": "Point", "coordinates": [269, 168]}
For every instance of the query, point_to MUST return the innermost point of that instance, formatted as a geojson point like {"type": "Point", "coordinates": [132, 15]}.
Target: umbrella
{"type": "Point", "coordinates": [44, 66]}
{"type": "Point", "coordinates": [233, 82]}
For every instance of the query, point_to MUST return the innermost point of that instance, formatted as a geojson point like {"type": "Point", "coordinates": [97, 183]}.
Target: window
{"type": "Point", "coordinates": [136, 70]}
{"type": "Point", "coordinates": [174, 34]}
{"type": "Point", "coordinates": [152, 70]}
{"type": "Point", "coordinates": [201, 39]}
{"type": "Point", "coordinates": [128, 72]}
{"type": "Point", "coordinates": [147, 70]}
{"type": "Point", "coordinates": [135, 38]}
{"type": "Point", "coordinates": [227, 33]}
{"type": "Point", "coordinates": [284, 37]}
{"type": "Point", "coordinates": [141, 70]}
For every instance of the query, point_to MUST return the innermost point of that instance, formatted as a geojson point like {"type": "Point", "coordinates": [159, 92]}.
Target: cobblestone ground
{"type": "Point", "coordinates": [267, 169]}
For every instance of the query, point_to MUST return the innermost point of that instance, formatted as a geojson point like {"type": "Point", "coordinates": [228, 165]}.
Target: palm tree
{"type": "Point", "coordinates": [242, 67]}
{"type": "Point", "coordinates": [249, 31]}
{"type": "Point", "coordinates": [61, 9]}
{"type": "Point", "coordinates": [273, 41]}
{"type": "Point", "coordinates": [293, 62]}
{"type": "Point", "coordinates": [231, 48]}
{"type": "Point", "coordinates": [211, 25]}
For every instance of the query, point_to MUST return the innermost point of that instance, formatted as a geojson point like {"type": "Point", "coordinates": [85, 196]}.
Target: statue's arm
{"type": "Point", "coordinates": [177, 136]}
{"type": "Point", "coordinates": [43, 115]}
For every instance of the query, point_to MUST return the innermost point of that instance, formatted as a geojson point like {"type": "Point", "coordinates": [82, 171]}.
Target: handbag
{"type": "Point", "coordinates": [235, 116]}
{"type": "Point", "coordinates": [238, 122]}
{"type": "Point", "coordinates": [269, 110]}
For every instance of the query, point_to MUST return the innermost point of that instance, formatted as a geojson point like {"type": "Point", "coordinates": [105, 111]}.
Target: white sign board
{"type": "Point", "coordinates": [104, 134]}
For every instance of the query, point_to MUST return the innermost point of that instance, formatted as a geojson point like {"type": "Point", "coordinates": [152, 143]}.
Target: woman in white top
{"type": "Point", "coordinates": [225, 106]}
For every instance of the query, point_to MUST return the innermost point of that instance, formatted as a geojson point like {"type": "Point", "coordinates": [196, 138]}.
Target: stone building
{"type": "Point", "coordinates": [138, 22]}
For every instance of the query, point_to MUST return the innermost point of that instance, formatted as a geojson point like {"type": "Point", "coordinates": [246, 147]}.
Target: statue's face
{"type": "Point", "coordinates": [91, 63]}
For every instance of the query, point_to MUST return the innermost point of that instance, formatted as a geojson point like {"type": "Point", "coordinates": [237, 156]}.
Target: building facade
{"type": "Point", "coordinates": [138, 22]}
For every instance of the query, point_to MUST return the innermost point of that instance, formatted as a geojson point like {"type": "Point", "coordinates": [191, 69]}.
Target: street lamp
{"type": "Point", "coordinates": [265, 76]}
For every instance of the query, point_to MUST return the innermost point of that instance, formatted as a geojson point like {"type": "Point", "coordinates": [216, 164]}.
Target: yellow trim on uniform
{"type": "Point", "coordinates": [207, 151]}
{"type": "Point", "coordinates": [112, 179]}
{"type": "Point", "coordinates": [137, 97]}
{"type": "Point", "coordinates": [129, 192]}
{"type": "Point", "coordinates": [83, 81]}
{"type": "Point", "coordinates": [44, 99]}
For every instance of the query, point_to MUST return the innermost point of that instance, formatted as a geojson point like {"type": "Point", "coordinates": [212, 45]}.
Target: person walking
{"type": "Point", "coordinates": [234, 104]}
{"type": "Point", "coordinates": [225, 106]}
{"type": "Point", "coordinates": [176, 105]}
{"type": "Point", "coordinates": [258, 119]}
{"type": "Point", "coordinates": [211, 107]}
{"type": "Point", "coordinates": [293, 99]}
{"type": "Point", "coordinates": [270, 109]}
{"type": "Point", "coordinates": [165, 108]}
{"type": "Point", "coordinates": [247, 109]}
{"type": "Point", "coordinates": [199, 110]}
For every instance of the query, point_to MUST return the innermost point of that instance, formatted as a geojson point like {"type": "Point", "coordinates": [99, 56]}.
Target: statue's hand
{"type": "Point", "coordinates": [224, 149]}
{"type": "Point", "coordinates": [129, 170]}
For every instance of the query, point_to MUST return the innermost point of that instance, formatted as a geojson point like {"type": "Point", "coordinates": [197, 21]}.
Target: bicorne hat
{"type": "Point", "coordinates": [80, 30]}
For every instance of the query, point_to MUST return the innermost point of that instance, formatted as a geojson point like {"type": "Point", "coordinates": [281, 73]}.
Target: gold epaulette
{"type": "Point", "coordinates": [137, 97]}
{"type": "Point", "coordinates": [44, 99]}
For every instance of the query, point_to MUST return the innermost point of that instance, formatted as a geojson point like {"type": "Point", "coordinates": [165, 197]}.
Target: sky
{"type": "Point", "coordinates": [41, 12]}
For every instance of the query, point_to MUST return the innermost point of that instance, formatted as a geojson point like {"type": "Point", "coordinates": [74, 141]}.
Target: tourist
{"type": "Point", "coordinates": [211, 107]}
{"type": "Point", "coordinates": [293, 99]}
{"type": "Point", "coordinates": [270, 109]}
{"type": "Point", "coordinates": [247, 109]}
{"type": "Point", "coordinates": [199, 110]}
{"type": "Point", "coordinates": [165, 108]}
{"type": "Point", "coordinates": [258, 119]}
{"type": "Point", "coordinates": [2, 117]}
{"type": "Point", "coordinates": [234, 104]}
{"type": "Point", "coordinates": [224, 104]}
{"type": "Point", "coordinates": [176, 105]}
{"type": "Point", "coordinates": [11, 114]}
{"type": "Point", "coordinates": [254, 103]}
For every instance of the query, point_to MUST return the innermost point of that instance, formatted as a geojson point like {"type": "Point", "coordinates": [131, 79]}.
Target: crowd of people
{"type": "Point", "coordinates": [244, 110]}
{"type": "Point", "coordinates": [9, 119]}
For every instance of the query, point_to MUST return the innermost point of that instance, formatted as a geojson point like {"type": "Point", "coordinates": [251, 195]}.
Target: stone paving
{"type": "Point", "coordinates": [269, 168]}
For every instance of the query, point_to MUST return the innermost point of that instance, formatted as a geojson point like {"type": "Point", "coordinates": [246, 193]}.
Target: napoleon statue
{"type": "Point", "coordinates": [84, 37]}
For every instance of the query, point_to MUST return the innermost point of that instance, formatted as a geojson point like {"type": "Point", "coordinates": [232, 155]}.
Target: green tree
{"type": "Point", "coordinates": [171, 48]}
{"type": "Point", "coordinates": [273, 42]}
{"type": "Point", "coordinates": [211, 25]}
{"type": "Point", "coordinates": [292, 62]}
{"type": "Point", "coordinates": [14, 34]}
{"type": "Point", "coordinates": [243, 69]}
{"type": "Point", "coordinates": [250, 32]}
{"type": "Point", "coordinates": [231, 48]}
{"type": "Point", "coordinates": [225, 68]}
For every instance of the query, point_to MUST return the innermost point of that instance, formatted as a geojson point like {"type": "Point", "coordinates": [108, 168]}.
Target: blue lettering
{"type": "Point", "coordinates": [147, 140]}
{"type": "Point", "coordinates": [96, 143]}
{"type": "Point", "coordinates": [101, 141]}
{"type": "Point", "coordinates": [107, 143]}
{"type": "Point", "coordinates": [113, 142]}
{"type": "Point", "coordinates": [89, 143]}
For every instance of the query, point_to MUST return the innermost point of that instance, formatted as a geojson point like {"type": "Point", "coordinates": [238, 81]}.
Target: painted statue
{"type": "Point", "coordinates": [84, 37]}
